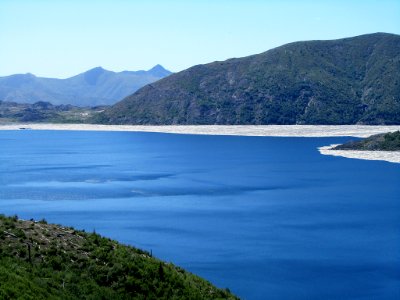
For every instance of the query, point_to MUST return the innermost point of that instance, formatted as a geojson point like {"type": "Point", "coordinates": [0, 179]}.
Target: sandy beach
{"type": "Point", "coordinates": [246, 130]}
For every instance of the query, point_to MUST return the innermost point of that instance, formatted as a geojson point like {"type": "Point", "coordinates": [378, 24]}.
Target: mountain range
{"type": "Point", "coordinates": [91, 88]}
{"type": "Point", "coordinates": [346, 81]}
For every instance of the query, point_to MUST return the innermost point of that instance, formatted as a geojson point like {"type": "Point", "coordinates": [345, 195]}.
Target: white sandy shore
{"type": "Point", "coordinates": [243, 130]}
{"type": "Point", "coordinates": [390, 156]}
{"type": "Point", "coordinates": [246, 130]}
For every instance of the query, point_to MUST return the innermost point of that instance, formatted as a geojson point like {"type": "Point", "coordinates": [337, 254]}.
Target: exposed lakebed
{"type": "Point", "coordinates": [267, 217]}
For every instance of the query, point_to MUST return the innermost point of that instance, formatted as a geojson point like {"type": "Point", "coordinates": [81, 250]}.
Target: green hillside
{"type": "Point", "coordinates": [43, 261]}
{"type": "Point", "coordinates": [11, 112]}
{"type": "Point", "coordinates": [347, 81]}
{"type": "Point", "coordinates": [382, 142]}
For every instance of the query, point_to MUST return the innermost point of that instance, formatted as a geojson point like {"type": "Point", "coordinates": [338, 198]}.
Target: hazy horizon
{"type": "Point", "coordinates": [64, 38]}
{"type": "Point", "coordinates": [83, 71]}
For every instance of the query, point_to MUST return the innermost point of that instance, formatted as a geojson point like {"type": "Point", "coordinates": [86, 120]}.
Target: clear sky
{"type": "Point", "coordinates": [60, 38]}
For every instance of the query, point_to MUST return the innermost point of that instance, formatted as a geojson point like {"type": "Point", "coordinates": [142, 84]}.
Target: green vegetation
{"type": "Point", "coordinates": [38, 112]}
{"type": "Point", "coordinates": [347, 81]}
{"type": "Point", "coordinates": [45, 261]}
{"type": "Point", "coordinates": [382, 142]}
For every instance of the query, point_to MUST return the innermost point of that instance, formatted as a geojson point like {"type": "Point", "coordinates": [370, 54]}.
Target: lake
{"type": "Point", "coordinates": [267, 217]}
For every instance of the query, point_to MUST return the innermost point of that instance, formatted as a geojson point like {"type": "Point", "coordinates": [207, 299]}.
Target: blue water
{"type": "Point", "coordinates": [267, 217]}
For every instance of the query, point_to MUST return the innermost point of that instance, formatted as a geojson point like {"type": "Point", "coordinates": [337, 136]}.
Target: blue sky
{"type": "Point", "coordinates": [60, 38]}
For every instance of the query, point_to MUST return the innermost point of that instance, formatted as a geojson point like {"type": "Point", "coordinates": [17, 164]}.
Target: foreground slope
{"type": "Point", "coordinates": [91, 88]}
{"type": "Point", "coordinates": [346, 81]}
{"type": "Point", "coordinates": [43, 261]}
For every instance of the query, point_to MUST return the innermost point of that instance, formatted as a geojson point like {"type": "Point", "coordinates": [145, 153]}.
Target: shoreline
{"type": "Point", "coordinates": [360, 131]}
{"type": "Point", "coordinates": [239, 130]}
{"type": "Point", "coordinates": [389, 156]}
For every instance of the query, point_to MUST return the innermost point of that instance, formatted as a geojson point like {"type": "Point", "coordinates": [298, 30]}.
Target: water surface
{"type": "Point", "coordinates": [267, 217]}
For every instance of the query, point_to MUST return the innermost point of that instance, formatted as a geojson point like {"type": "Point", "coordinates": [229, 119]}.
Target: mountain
{"type": "Point", "coordinates": [92, 88]}
{"type": "Point", "coordinates": [346, 81]}
{"type": "Point", "coordinates": [46, 261]}
{"type": "Point", "coordinates": [379, 142]}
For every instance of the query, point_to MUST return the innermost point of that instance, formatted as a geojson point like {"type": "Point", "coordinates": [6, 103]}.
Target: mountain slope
{"type": "Point", "coordinates": [346, 81]}
{"type": "Point", "coordinates": [45, 261]}
{"type": "Point", "coordinates": [92, 88]}
{"type": "Point", "coordinates": [379, 142]}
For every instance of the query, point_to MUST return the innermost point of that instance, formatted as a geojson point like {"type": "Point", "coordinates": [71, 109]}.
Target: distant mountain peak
{"type": "Point", "coordinates": [159, 70]}
{"type": "Point", "coordinates": [99, 68]}
{"type": "Point", "coordinates": [97, 86]}
{"type": "Point", "coordinates": [157, 67]}
{"type": "Point", "coordinates": [93, 75]}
